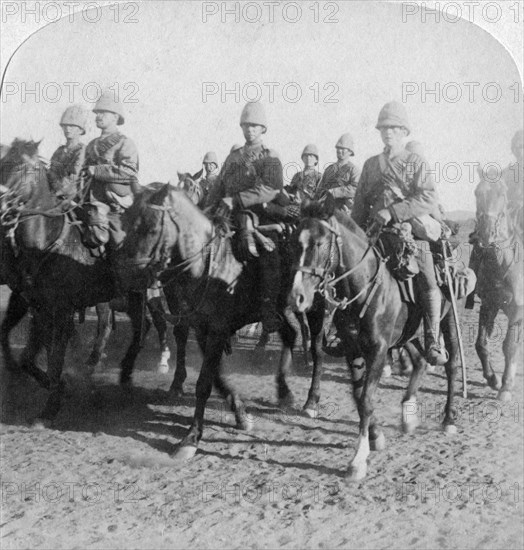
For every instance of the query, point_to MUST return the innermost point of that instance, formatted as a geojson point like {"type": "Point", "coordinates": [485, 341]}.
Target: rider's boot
{"type": "Point", "coordinates": [270, 287]}
{"type": "Point", "coordinates": [431, 302]}
{"type": "Point", "coordinates": [97, 233]}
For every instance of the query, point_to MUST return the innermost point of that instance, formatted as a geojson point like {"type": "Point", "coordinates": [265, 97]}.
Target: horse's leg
{"type": "Point", "coordinates": [410, 410]}
{"type": "Point", "coordinates": [288, 336]}
{"type": "Point", "coordinates": [156, 309]}
{"type": "Point", "coordinates": [136, 312]}
{"type": "Point", "coordinates": [103, 332]}
{"type": "Point", "coordinates": [59, 327]}
{"type": "Point", "coordinates": [181, 332]}
{"type": "Point", "coordinates": [510, 347]}
{"type": "Point", "coordinates": [305, 332]}
{"type": "Point", "coordinates": [213, 347]}
{"type": "Point", "coordinates": [315, 318]}
{"type": "Point", "coordinates": [488, 313]}
{"type": "Point", "coordinates": [17, 307]}
{"type": "Point", "coordinates": [34, 344]}
{"type": "Point", "coordinates": [369, 435]}
{"type": "Point", "coordinates": [449, 331]}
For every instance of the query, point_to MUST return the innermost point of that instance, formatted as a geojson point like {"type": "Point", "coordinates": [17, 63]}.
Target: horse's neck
{"type": "Point", "coordinates": [354, 249]}
{"type": "Point", "coordinates": [196, 232]}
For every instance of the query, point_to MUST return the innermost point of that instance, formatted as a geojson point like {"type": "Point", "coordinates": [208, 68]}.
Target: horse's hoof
{"type": "Point", "coordinates": [378, 444]}
{"type": "Point", "coordinates": [504, 396]}
{"type": "Point", "coordinates": [356, 473]}
{"type": "Point", "coordinates": [286, 402]}
{"type": "Point", "coordinates": [386, 373]}
{"type": "Point", "coordinates": [450, 429]}
{"type": "Point", "coordinates": [493, 382]}
{"type": "Point", "coordinates": [163, 369]}
{"type": "Point", "coordinates": [245, 424]}
{"type": "Point", "coordinates": [187, 452]}
{"type": "Point", "coordinates": [176, 392]}
{"type": "Point", "coordinates": [40, 423]}
{"type": "Point", "coordinates": [411, 426]}
{"type": "Point", "coordinates": [311, 413]}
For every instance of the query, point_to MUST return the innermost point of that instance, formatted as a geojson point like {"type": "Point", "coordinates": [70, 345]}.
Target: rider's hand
{"type": "Point", "coordinates": [227, 202]}
{"type": "Point", "coordinates": [383, 216]}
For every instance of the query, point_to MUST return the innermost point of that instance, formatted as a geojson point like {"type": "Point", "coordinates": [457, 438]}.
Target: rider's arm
{"type": "Point", "coordinates": [124, 167]}
{"type": "Point", "coordinates": [422, 197]}
{"type": "Point", "coordinates": [268, 183]}
{"type": "Point", "coordinates": [348, 189]}
{"type": "Point", "coordinates": [360, 211]}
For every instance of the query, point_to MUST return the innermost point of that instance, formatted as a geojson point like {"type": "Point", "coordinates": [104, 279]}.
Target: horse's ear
{"type": "Point", "coordinates": [329, 205]}
{"type": "Point", "coordinates": [198, 175]}
{"type": "Point", "coordinates": [480, 172]}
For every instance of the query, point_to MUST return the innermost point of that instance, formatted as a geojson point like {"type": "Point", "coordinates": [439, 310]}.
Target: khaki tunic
{"type": "Point", "coordinates": [305, 184]}
{"type": "Point", "coordinates": [64, 172]}
{"type": "Point", "coordinates": [342, 181]}
{"type": "Point", "coordinates": [115, 159]}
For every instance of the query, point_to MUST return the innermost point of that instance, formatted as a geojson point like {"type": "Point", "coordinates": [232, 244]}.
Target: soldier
{"type": "Point", "coordinates": [250, 179]}
{"type": "Point", "coordinates": [208, 180]}
{"type": "Point", "coordinates": [341, 178]}
{"type": "Point", "coordinates": [112, 163]}
{"type": "Point", "coordinates": [68, 159]}
{"type": "Point", "coordinates": [305, 184]}
{"type": "Point", "coordinates": [394, 188]}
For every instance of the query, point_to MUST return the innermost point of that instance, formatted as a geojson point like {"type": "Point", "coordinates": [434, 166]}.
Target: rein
{"type": "Point", "coordinates": [326, 286]}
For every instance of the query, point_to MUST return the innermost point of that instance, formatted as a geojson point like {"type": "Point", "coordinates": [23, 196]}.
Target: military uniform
{"type": "Point", "coordinates": [251, 178]}
{"type": "Point", "coordinates": [114, 180]}
{"type": "Point", "coordinates": [64, 171]}
{"type": "Point", "coordinates": [402, 185]}
{"type": "Point", "coordinates": [341, 178]}
{"type": "Point", "coordinates": [67, 161]}
{"type": "Point", "coordinates": [305, 184]}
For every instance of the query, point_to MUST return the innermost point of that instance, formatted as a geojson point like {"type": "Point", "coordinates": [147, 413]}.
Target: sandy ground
{"type": "Point", "coordinates": [103, 476]}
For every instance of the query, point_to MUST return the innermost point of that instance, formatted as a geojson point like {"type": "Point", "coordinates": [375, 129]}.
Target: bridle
{"type": "Point", "coordinates": [326, 275]}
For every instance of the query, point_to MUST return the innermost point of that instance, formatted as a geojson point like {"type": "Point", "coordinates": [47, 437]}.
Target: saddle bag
{"type": "Point", "coordinates": [398, 244]}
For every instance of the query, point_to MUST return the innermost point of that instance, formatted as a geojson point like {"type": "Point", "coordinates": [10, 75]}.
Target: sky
{"type": "Point", "coordinates": [174, 62]}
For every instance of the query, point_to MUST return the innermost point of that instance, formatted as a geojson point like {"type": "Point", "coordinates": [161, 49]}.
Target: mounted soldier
{"type": "Point", "coordinates": [209, 179]}
{"type": "Point", "coordinates": [341, 178]}
{"type": "Point", "coordinates": [250, 187]}
{"type": "Point", "coordinates": [111, 162]}
{"type": "Point", "coordinates": [395, 188]}
{"type": "Point", "coordinates": [304, 184]}
{"type": "Point", "coordinates": [67, 160]}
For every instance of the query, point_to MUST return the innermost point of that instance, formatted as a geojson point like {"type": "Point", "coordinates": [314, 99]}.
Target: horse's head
{"type": "Point", "coordinates": [21, 170]}
{"type": "Point", "coordinates": [188, 183]}
{"type": "Point", "coordinates": [316, 253]}
{"type": "Point", "coordinates": [162, 226]}
{"type": "Point", "coordinates": [492, 217]}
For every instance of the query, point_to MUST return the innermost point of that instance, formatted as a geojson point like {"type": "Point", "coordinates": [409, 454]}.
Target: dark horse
{"type": "Point", "coordinates": [46, 265]}
{"type": "Point", "coordinates": [499, 279]}
{"type": "Point", "coordinates": [332, 245]}
{"type": "Point", "coordinates": [169, 237]}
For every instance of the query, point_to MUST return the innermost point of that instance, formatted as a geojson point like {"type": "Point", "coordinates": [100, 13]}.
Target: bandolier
{"type": "Point", "coordinates": [67, 161]}
{"type": "Point", "coordinates": [396, 187]}
{"type": "Point", "coordinates": [341, 178]}
{"type": "Point", "coordinates": [305, 184]}
{"type": "Point", "coordinates": [112, 162]}
{"type": "Point", "coordinates": [251, 179]}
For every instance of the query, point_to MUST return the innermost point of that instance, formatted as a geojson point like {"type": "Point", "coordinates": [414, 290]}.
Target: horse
{"type": "Point", "coordinates": [499, 279]}
{"type": "Point", "coordinates": [45, 262]}
{"type": "Point", "coordinates": [169, 237]}
{"type": "Point", "coordinates": [335, 257]}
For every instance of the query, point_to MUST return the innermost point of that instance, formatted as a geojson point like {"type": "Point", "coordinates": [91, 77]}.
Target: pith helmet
{"type": "Point", "coordinates": [210, 157]}
{"type": "Point", "coordinates": [346, 142]}
{"type": "Point", "coordinates": [75, 115]}
{"type": "Point", "coordinates": [253, 113]}
{"type": "Point", "coordinates": [108, 102]}
{"type": "Point", "coordinates": [415, 147]}
{"type": "Point", "coordinates": [235, 147]}
{"type": "Point", "coordinates": [310, 149]}
{"type": "Point", "coordinates": [393, 114]}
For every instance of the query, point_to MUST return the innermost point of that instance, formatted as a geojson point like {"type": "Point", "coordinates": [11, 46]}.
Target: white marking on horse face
{"type": "Point", "coordinates": [303, 239]}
